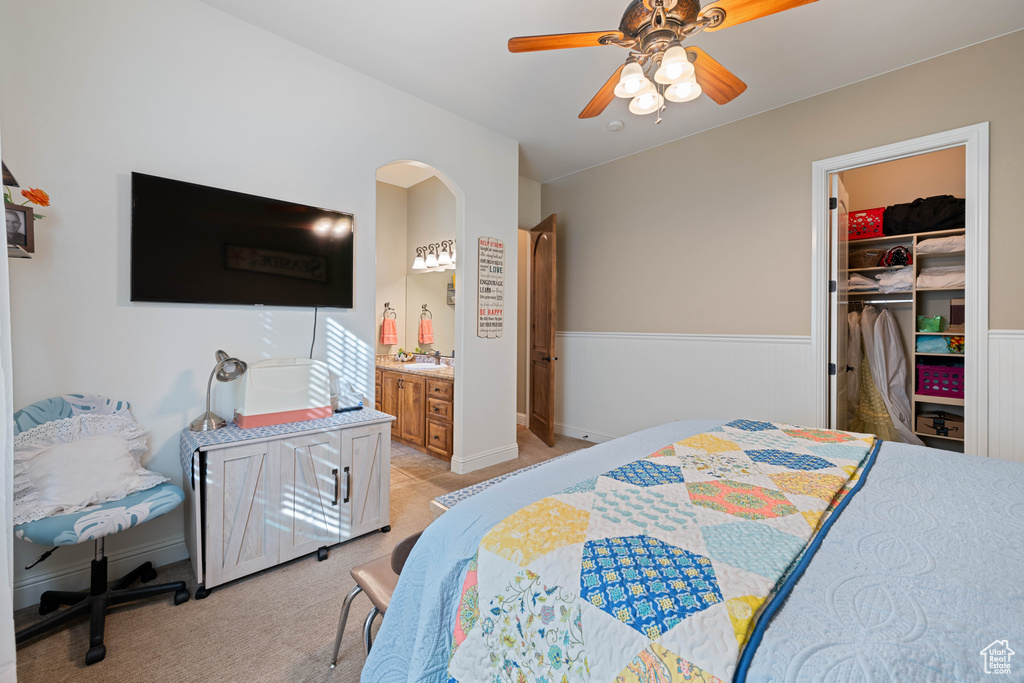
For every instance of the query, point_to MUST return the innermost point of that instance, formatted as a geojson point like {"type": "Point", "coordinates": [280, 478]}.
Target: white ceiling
{"type": "Point", "coordinates": [405, 174]}
{"type": "Point", "coordinates": [453, 54]}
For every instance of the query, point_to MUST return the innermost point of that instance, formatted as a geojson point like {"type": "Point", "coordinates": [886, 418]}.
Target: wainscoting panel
{"type": "Point", "coordinates": [1006, 394]}
{"type": "Point", "coordinates": [611, 384]}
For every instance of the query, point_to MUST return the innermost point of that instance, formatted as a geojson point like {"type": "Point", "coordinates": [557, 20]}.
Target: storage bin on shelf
{"type": "Point", "coordinates": [866, 223]}
{"type": "Point", "coordinates": [940, 380]}
{"type": "Point", "coordinates": [865, 258]}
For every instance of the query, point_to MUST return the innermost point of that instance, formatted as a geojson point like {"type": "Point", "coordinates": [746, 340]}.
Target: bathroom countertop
{"type": "Point", "coordinates": [442, 372]}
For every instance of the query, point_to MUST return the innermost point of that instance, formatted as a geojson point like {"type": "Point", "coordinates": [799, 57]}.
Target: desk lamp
{"type": "Point", "coordinates": [227, 369]}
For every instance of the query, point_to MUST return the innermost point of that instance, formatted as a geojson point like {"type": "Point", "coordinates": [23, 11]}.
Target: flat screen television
{"type": "Point", "coordinates": [197, 244]}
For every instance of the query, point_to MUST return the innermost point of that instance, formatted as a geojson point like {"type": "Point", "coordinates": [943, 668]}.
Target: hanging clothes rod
{"type": "Point", "coordinates": [883, 301]}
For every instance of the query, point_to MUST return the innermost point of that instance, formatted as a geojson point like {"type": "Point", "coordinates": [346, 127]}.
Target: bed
{"type": "Point", "coordinates": [910, 571]}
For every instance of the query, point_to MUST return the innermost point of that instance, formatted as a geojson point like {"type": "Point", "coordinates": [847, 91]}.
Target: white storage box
{"type": "Point", "coordinates": [283, 390]}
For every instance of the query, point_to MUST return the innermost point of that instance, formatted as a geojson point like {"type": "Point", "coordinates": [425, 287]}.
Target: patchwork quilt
{"type": "Point", "coordinates": [657, 570]}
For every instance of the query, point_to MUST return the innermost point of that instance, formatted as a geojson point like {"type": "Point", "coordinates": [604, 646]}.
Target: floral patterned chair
{"type": "Point", "coordinates": [94, 523]}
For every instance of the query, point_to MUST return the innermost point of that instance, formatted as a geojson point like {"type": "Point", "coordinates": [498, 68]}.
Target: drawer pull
{"type": "Point", "coordinates": [436, 410]}
{"type": "Point", "coordinates": [337, 487]}
{"type": "Point", "coordinates": [437, 390]}
{"type": "Point", "coordinates": [435, 437]}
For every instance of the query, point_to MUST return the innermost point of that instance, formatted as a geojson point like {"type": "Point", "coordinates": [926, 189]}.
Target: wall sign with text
{"type": "Point", "coordinates": [490, 288]}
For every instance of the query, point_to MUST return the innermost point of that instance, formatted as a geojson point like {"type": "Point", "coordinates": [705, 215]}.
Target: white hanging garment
{"type": "Point", "coordinates": [853, 355]}
{"type": "Point", "coordinates": [884, 348]}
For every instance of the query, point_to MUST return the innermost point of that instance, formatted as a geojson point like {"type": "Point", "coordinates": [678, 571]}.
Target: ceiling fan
{"type": "Point", "coordinates": [653, 32]}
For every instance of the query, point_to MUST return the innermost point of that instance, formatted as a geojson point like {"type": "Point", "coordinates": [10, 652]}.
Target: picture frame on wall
{"type": "Point", "coordinates": [19, 226]}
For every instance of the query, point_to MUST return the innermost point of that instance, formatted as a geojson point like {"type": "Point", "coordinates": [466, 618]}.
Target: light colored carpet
{"type": "Point", "coordinates": [278, 625]}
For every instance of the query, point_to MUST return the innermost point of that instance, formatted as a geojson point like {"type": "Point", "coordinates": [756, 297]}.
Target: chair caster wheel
{"type": "Point", "coordinates": [180, 597]}
{"type": "Point", "coordinates": [385, 529]}
{"type": "Point", "coordinates": [47, 606]}
{"type": "Point", "coordinates": [148, 574]}
{"type": "Point", "coordinates": [202, 592]}
{"type": "Point", "coordinates": [321, 554]}
{"type": "Point", "coordinates": [95, 654]}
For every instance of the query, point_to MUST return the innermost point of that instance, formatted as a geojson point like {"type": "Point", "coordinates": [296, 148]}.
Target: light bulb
{"type": "Point", "coordinates": [684, 91]}
{"type": "Point", "coordinates": [647, 103]}
{"type": "Point", "coordinates": [675, 66]}
{"type": "Point", "coordinates": [632, 81]}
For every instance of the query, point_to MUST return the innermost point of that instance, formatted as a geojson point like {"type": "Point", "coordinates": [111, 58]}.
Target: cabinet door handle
{"type": "Point", "coordinates": [436, 438]}
{"type": "Point", "coordinates": [337, 487]}
{"type": "Point", "coordinates": [436, 410]}
{"type": "Point", "coordinates": [348, 484]}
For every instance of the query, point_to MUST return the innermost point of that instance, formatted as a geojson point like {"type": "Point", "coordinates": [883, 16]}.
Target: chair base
{"type": "Point", "coordinates": [95, 602]}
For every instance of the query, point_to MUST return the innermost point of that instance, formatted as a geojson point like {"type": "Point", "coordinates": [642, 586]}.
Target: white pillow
{"type": "Point", "coordinates": [67, 465]}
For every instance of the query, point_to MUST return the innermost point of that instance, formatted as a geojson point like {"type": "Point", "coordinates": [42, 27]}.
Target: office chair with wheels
{"type": "Point", "coordinates": [93, 523]}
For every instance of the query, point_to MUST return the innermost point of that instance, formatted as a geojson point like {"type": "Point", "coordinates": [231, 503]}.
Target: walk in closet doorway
{"type": "Point", "coordinates": [859, 383]}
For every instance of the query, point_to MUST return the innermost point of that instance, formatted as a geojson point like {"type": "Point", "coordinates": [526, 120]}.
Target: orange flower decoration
{"type": "Point", "coordinates": [36, 196]}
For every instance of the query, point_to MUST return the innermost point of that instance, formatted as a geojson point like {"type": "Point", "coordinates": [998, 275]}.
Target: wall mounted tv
{"type": "Point", "coordinates": [196, 244]}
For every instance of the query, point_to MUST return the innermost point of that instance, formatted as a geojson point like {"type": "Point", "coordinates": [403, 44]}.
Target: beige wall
{"type": "Point", "coordinates": [904, 180]}
{"type": "Point", "coordinates": [431, 220]}
{"type": "Point", "coordinates": [712, 233]}
{"type": "Point", "coordinates": [391, 249]}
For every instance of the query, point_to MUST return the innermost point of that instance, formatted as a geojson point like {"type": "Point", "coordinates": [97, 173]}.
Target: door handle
{"type": "Point", "coordinates": [549, 358]}
{"type": "Point", "coordinates": [348, 484]}
{"type": "Point", "coordinates": [337, 487]}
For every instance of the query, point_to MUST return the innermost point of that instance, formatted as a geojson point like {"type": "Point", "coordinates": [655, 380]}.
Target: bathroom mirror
{"type": "Point", "coordinates": [414, 209]}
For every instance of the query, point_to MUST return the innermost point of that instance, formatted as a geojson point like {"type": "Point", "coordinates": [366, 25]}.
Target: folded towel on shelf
{"type": "Point", "coordinates": [943, 245]}
{"type": "Point", "coordinates": [861, 283]}
{"type": "Point", "coordinates": [426, 331]}
{"type": "Point", "coordinates": [389, 331]}
{"type": "Point", "coordinates": [900, 280]}
{"type": "Point", "coordinates": [936, 277]}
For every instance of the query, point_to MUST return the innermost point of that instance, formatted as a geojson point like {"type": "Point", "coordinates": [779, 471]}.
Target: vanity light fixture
{"type": "Point", "coordinates": [435, 257]}
{"type": "Point", "coordinates": [418, 262]}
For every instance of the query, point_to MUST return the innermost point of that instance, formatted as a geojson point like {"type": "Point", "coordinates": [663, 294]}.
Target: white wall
{"type": "Point", "coordinates": [431, 220]}
{"type": "Point", "coordinates": [392, 214]}
{"type": "Point", "coordinates": [182, 90]}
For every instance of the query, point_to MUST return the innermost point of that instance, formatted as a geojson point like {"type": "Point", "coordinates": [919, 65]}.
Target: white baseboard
{"type": "Point", "coordinates": [478, 461]}
{"type": "Point", "coordinates": [76, 578]}
{"type": "Point", "coordinates": [577, 433]}
{"type": "Point", "coordinates": [523, 419]}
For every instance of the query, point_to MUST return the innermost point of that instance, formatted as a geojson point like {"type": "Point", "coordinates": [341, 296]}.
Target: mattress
{"type": "Point", "coordinates": [823, 631]}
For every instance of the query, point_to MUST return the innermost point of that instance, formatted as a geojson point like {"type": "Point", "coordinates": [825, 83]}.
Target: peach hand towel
{"type": "Point", "coordinates": [426, 331]}
{"type": "Point", "coordinates": [389, 331]}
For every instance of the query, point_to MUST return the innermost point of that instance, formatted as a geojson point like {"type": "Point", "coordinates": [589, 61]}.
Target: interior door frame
{"type": "Point", "coordinates": [975, 140]}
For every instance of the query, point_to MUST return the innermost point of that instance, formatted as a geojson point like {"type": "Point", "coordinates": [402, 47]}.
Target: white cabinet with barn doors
{"type": "Point", "coordinates": [255, 500]}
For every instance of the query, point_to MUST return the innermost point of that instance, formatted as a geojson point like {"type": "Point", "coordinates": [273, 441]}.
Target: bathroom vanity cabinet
{"type": "Point", "coordinates": [423, 406]}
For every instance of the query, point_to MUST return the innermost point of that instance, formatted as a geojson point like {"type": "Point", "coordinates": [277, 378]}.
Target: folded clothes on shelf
{"type": "Point", "coordinates": [901, 280]}
{"type": "Point", "coordinates": [935, 277]}
{"type": "Point", "coordinates": [861, 283]}
{"type": "Point", "coordinates": [943, 245]}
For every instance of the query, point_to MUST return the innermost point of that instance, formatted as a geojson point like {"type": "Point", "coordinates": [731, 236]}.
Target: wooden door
{"type": "Point", "coordinates": [839, 327]}
{"type": "Point", "coordinates": [368, 483]}
{"type": "Point", "coordinates": [311, 482]}
{"type": "Point", "coordinates": [242, 491]}
{"type": "Point", "coordinates": [412, 410]}
{"type": "Point", "coordinates": [542, 331]}
{"type": "Point", "coordinates": [390, 394]}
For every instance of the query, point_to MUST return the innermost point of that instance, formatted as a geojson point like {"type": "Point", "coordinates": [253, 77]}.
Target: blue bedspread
{"type": "Point", "coordinates": [911, 578]}
{"type": "Point", "coordinates": [921, 572]}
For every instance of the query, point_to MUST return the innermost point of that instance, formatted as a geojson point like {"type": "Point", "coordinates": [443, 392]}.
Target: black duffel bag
{"type": "Point", "coordinates": [944, 212]}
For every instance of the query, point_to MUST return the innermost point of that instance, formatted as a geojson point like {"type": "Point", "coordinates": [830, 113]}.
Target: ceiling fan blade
{"type": "Point", "coordinates": [603, 97]}
{"type": "Point", "coordinates": [715, 80]}
{"type": "Point", "coordinates": [559, 41]}
{"type": "Point", "coordinates": [739, 11]}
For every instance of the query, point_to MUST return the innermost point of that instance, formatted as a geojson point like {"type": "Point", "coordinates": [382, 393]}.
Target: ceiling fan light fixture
{"type": "Point", "coordinates": [647, 103]}
{"type": "Point", "coordinates": [675, 66]}
{"type": "Point", "coordinates": [632, 81]}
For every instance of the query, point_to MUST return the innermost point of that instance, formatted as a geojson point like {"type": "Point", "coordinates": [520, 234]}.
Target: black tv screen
{"type": "Point", "coordinates": [197, 244]}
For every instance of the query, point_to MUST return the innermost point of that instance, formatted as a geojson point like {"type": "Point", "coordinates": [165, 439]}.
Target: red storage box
{"type": "Point", "coordinates": [940, 380]}
{"type": "Point", "coordinates": [866, 223]}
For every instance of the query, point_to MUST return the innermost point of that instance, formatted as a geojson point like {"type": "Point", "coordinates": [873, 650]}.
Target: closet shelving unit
{"type": "Point", "coordinates": [923, 301]}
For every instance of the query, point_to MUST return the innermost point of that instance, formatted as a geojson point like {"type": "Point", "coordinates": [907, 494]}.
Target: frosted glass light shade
{"type": "Point", "coordinates": [419, 264]}
{"type": "Point", "coordinates": [632, 81]}
{"type": "Point", "coordinates": [445, 259]}
{"type": "Point", "coordinates": [675, 66]}
{"type": "Point", "coordinates": [684, 91]}
{"type": "Point", "coordinates": [647, 103]}
{"type": "Point", "coordinates": [431, 261]}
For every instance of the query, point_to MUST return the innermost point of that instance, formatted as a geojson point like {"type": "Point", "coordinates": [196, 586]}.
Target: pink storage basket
{"type": "Point", "coordinates": [865, 224]}
{"type": "Point", "coordinates": [940, 380]}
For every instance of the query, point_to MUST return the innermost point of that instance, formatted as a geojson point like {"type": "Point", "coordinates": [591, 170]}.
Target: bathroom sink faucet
{"type": "Point", "coordinates": [437, 356]}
